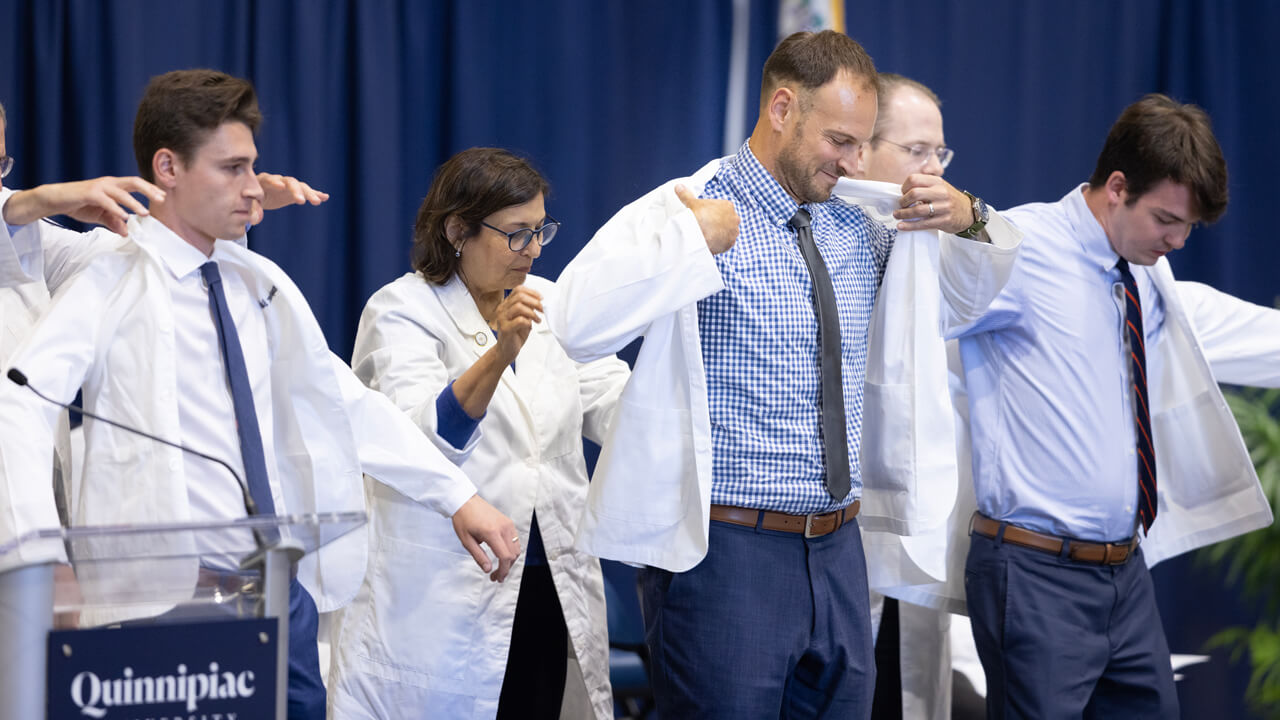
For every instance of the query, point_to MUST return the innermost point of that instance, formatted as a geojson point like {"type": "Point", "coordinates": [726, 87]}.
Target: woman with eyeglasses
{"type": "Point", "coordinates": [460, 345]}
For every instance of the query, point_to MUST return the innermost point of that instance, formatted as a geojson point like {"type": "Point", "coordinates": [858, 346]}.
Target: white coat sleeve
{"type": "Point", "coordinates": [647, 262]}
{"type": "Point", "coordinates": [398, 352]}
{"type": "Point", "coordinates": [55, 358]}
{"type": "Point", "coordinates": [44, 250]}
{"type": "Point", "coordinates": [20, 258]}
{"type": "Point", "coordinates": [393, 451]}
{"type": "Point", "coordinates": [1241, 340]}
{"type": "Point", "coordinates": [973, 275]}
{"type": "Point", "coordinates": [600, 384]}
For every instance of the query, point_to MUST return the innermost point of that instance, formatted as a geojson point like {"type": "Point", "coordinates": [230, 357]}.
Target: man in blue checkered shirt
{"type": "Point", "coordinates": [717, 473]}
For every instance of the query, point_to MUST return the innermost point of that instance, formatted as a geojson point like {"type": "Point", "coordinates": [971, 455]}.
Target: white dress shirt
{"type": "Point", "coordinates": [206, 414]}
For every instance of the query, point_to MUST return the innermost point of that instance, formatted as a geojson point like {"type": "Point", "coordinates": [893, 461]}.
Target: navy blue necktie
{"type": "Point", "coordinates": [835, 437]}
{"type": "Point", "coordinates": [255, 461]}
{"type": "Point", "coordinates": [1141, 406]}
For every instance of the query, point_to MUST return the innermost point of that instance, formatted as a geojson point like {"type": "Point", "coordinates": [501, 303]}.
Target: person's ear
{"type": "Point", "coordinates": [165, 168]}
{"type": "Point", "coordinates": [1117, 188]}
{"type": "Point", "coordinates": [456, 231]}
{"type": "Point", "coordinates": [782, 106]}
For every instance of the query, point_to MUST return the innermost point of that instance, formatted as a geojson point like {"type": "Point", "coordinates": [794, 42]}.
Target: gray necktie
{"type": "Point", "coordinates": [835, 438]}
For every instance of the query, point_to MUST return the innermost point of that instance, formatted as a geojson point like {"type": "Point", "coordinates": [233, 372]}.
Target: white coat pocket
{"type": "Point", "coordinates": [422, 632]}
{"type": "Point", "coordinates": [659, 441]}
{"type": "Point", "coordinates": [1196, 433]}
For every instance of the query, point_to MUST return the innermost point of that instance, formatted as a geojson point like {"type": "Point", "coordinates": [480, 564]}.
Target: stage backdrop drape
{"type": "Point", "coordinates": [364, 98]}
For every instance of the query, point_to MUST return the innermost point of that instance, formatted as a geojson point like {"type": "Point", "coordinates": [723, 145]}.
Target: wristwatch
{"type": "Point", "coordinates": [980, 217]}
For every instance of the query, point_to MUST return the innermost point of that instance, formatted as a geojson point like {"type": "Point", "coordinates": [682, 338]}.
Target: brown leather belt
{"type": "Point", "coordinates": [1078, 550]}
{"type": "Point", "coordinates": [810, 526]}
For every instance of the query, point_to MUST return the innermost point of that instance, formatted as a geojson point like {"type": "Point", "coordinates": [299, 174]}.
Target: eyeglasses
{"type": "Point", "coordinates": [921, 153]}
{"type": "Point", "coordinates": [6, 164]}
{"type": "Point", "coordinates": [520, 239]}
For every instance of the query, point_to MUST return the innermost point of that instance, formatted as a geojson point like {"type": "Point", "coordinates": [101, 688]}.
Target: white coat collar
{"type": "Point", "coordinates": [883, 197]}
{"type": "Point", "coordinates": [466, 316]}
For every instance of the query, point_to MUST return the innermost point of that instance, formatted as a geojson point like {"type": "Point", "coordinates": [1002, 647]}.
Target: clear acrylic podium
{"type": "Point", "coordinates": [150, 574]}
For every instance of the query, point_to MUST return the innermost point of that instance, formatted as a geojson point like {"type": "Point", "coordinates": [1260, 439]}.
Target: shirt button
{"type": "Point", "coordinates": [1130, 452]}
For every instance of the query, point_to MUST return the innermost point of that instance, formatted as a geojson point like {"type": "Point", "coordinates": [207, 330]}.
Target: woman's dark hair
{"type": "Point", "coordinates": [470, 186]}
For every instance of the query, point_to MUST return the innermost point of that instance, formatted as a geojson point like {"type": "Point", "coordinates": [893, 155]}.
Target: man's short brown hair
{"type": "Point", "coordinates": [807, 61]}
{"type": "Point", "coordinates": [180, 109]}
{"type": "Point", "coordinates": [1158, 139]}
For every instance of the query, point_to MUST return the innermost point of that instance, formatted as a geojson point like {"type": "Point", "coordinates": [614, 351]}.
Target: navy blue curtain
{"type": "Point", "coordinates": [364, 98]}
{"type": "Point", "coordinates": [1029, 90]}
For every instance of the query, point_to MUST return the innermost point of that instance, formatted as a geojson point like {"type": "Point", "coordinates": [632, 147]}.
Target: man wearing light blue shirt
{"type": "Point", "coordinates": [1076, 379]}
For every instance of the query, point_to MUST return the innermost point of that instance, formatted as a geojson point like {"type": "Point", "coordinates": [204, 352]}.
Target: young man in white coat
{"type": "Point", "coordinates": [733, 468]}
{"type": "Point", "coordinates": [40, 256]}
{"type": "Point", "coordinates": [201, 340]}
{"type": "Point", "coordinates": [1097, 424]}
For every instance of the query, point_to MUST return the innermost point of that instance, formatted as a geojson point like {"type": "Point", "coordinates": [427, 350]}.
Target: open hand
{"type": "Point", "coordinates": [105, 201]}
{"type": "Point", "coordinates": [281, 190]}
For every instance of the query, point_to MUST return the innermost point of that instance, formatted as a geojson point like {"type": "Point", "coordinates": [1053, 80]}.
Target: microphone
{"type": "Point", "coordinates": [250, 506]}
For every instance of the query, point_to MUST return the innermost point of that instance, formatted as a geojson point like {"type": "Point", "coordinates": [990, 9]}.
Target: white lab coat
{"type": "Point", "coordinates": [1208, 489]}
{"type": "Point", "coordinates": [427, 636]}
{"type": "Point", "coordinates": [643, 273]}
{"type": "Point", "coordinates": [24, 294]}
{"type": "Point", "coordinates": [34, 260]}
{"type": "Point", "coordinates": [111, 328]}
{"type": "Point", "coordinates": [925, 640]}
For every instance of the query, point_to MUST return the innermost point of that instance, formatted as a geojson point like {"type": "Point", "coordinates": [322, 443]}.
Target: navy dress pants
{"type": "Point", "coordinates": [306, 687]}
{"type": "Point", "coordinates": [769, 625]}
{"type": "Point", "coordinates": [1064, 639]}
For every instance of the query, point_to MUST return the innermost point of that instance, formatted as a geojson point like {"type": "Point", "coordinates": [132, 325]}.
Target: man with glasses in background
{"type": "Point", "coordinates": [908, 135]}
{"type": "Point", "coordinates": [914, 642]}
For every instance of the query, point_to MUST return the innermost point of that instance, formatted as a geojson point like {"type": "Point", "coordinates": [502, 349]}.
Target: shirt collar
{"type": "Point", "coordinates": [1093, 239]}
{"type": "Point", "coordinates": [178, 256]}
{"type": "Point", "coordinates": [776, 204]}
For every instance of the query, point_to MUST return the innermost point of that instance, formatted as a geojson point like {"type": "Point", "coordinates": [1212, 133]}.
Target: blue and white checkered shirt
{"type": "Point", "coordinates": [760, 342]}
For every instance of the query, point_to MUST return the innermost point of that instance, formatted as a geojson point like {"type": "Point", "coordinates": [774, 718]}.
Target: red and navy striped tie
{"type": "Point", "coordinates": [1141, 406]}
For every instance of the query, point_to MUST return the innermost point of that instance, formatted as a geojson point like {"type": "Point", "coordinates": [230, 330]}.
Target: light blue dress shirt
{"type": "Point", "coordinates": [1048, 376]}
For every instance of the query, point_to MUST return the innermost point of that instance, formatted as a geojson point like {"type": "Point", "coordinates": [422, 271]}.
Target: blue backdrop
{"type": "Point", "coordinates": [364, 98]}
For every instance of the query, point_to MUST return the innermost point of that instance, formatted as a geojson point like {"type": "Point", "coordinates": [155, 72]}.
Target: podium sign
{"type": "Point", "coordinates": [224, 670]}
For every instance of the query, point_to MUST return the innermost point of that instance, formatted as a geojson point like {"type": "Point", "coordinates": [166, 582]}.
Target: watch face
{"type": "Point", "coordinates": [980, 209]}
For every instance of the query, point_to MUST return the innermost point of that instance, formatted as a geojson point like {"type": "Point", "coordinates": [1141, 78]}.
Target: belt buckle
{"type": "Point", "coordinates": [808, 525]}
